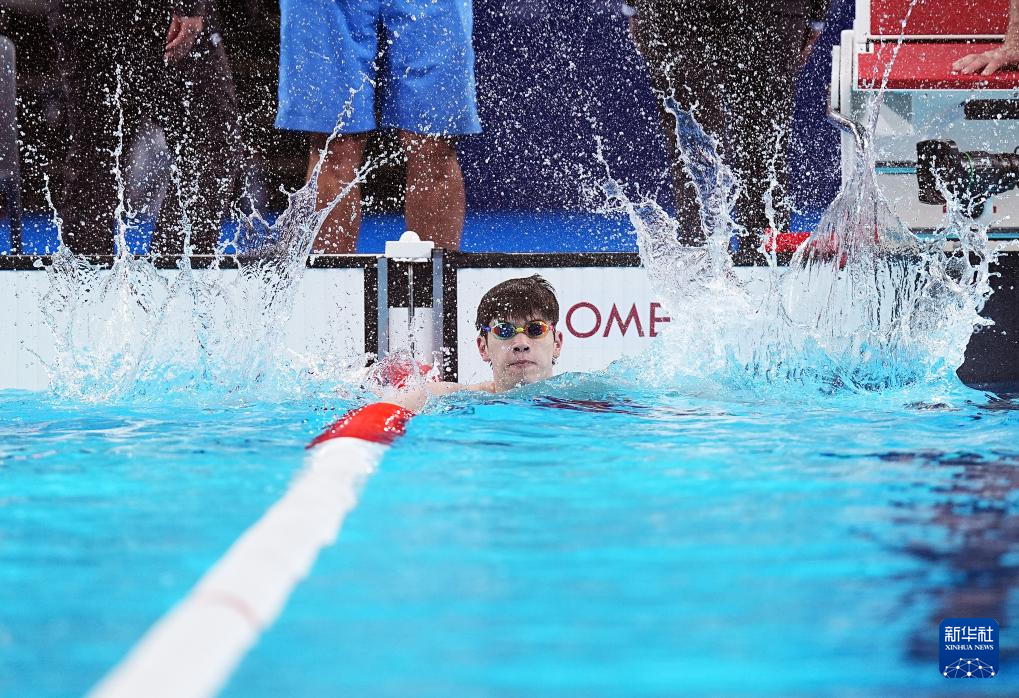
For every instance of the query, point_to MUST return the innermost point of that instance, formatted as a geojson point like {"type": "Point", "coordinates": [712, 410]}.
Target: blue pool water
{"type": "Point", "coordinates": [109, 514]}
{"type": "Point", "coordinates": [584, 537]}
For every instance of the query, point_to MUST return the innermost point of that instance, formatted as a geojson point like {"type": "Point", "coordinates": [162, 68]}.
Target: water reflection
{"type": "Point", "coordinates": [968, 540]}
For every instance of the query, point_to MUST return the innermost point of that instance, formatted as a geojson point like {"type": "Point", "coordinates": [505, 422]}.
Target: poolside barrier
{"type": "Point", "coordinates": [347, 305]}
{"type": "Point", "coordinates": [195, 647]}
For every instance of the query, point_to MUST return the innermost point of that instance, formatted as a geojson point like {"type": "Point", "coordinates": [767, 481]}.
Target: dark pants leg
{"type": "Point", "coordinates": [193, 100]}
{"type": "Point", "coordinates": [88, 198]}
{"type": "Point", "coordinates": [738, 67]}
{"type": "Point", "coordinates": [680, 46]}
{"type": "Point", "coordinates": [197, 108]}
{"type": "Point", "coordinates": [760, 108]}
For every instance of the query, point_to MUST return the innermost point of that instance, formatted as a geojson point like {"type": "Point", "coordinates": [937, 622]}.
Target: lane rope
{"type": "Point", "coordinates": [193, 649]}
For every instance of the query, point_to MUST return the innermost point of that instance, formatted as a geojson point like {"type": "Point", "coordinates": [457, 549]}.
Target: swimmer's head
{"type": "Point", "coordinates": [517, 331]}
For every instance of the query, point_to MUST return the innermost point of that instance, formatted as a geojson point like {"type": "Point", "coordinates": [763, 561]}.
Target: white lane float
{"type": "Point", "coordinates": [195, 647]}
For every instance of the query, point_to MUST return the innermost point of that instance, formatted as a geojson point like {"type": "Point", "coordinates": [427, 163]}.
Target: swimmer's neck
{"type": "Point", "coordinates": [490, 386]}
{"type": "Point", "coordinates": [415, 399]}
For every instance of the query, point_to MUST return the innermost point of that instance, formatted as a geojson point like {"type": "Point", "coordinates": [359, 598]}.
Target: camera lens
{"type": "Point", "coordinates": [969, 177]}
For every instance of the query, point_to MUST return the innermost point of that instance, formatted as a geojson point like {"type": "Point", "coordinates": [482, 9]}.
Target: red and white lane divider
{"type": "Point", "coordinates": [196, 646]}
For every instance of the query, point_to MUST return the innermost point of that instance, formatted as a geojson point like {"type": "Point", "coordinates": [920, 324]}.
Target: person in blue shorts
{"type": "Point", "coordinates": [355, 66]}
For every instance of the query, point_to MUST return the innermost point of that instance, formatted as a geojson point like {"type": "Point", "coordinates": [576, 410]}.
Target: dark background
{"type": "Point", "coordinates": [551, 78]}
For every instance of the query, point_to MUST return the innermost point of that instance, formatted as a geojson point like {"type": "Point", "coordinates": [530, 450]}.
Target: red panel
{"type": "Point", "coordinates": [379, 422]}
{"type": "Point", "coordinates": [929, 66]}
{"type": "Point", "coordinates": [939, 17]}
{"type": "Point", "coordinates": [784, 242]}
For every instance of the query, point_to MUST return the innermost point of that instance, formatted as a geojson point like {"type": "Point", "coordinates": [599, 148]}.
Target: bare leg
{"type": "Point", "coordinates": [435, 199]}
{"type": "Point", "coordinates": [338, 234]}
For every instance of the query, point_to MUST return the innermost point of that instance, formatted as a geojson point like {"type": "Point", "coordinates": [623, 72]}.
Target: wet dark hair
{"type": "Point", "coordinates": [526, 298]}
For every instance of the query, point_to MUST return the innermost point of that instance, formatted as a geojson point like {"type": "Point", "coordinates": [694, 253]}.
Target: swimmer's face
{"type": "Point", "coordinates": [519, 360]}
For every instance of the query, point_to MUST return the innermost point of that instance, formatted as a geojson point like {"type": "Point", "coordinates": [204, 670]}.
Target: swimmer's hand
{"type": "Point", "coordinates": [181, 37]}
{"type": "Point", "coordinates": [990, 61]}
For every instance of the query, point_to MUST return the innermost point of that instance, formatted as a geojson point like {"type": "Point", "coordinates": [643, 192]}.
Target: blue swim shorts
{"type": "Point", "coordinates": [331, 73]}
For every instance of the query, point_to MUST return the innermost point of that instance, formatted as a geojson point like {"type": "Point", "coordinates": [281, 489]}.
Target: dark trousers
{"type": "Point", "coordinates": [119, 49]}
{"type": "Point", "coordinates": [736, 62]}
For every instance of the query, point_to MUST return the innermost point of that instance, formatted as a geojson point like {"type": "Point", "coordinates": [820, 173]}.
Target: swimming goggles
{"type": "Point", "coordinates": [535, 329]}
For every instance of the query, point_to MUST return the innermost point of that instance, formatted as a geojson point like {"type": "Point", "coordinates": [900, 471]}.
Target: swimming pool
{"type": "Point", "coordinates": [702, 539]}
{"type": "Point", "coordinates": [109, 513]}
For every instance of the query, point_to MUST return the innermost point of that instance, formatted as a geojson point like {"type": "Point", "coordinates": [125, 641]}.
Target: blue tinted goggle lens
{"type": "Point", "coordinates": [507, 330]}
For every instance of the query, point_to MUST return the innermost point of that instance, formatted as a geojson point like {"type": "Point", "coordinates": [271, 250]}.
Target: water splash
{"type": "Point", "coordinates": [885, 306]}
{"type": "Point", "coordinates": [864, 304]}
{"type": "Point", "coordinates": [134, 332]}
{"type": "Point", "coordinates": [698, 284]}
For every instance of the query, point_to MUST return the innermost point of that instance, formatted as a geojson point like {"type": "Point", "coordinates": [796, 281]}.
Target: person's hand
{"type": "Point", "coordinates": [989, 61]}
{"type": "Point", "coordinates": [181, 37]}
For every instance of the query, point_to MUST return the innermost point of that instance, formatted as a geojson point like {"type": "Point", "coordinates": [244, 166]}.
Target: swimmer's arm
{"type": "Point", "coordinates": [416, 398]}
{"type": "Point", "coordinates": [447, 387]}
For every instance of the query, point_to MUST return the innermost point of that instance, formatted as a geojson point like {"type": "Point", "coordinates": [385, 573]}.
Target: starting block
{"type": "Point", "coordinates": [907, 50]}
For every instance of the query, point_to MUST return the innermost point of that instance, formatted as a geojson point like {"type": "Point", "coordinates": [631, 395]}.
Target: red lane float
{"type": "Point", "coordinates": [379, 422]}
{"type": "Point", "coordinates": [398, 374]}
